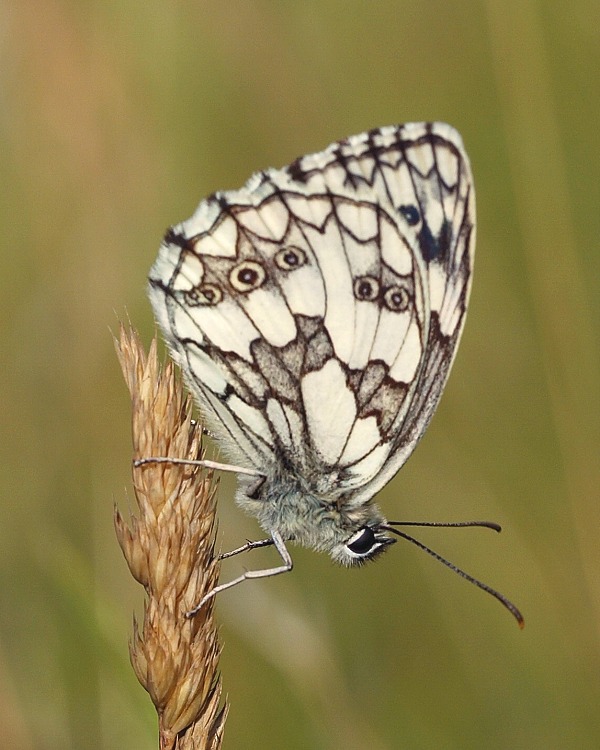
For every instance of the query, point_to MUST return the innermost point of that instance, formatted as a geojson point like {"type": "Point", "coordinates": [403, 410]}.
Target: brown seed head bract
{"type": "Point", "coordinates": [169, 547]}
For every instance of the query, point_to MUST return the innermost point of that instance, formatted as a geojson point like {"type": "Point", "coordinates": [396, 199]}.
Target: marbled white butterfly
{"type": "Point", "coordinates": [315, 314]}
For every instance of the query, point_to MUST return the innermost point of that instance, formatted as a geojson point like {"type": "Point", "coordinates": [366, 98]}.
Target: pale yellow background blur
{"type": "Point", "coordinates": [116, 119]}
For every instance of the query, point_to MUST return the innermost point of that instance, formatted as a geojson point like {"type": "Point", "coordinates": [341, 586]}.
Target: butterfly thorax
{"type": "Point", "coordinates": [307, 514]}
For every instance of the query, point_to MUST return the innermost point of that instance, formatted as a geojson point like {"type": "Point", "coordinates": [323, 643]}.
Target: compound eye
{"type": "Point", "coordinates": [362, 542]}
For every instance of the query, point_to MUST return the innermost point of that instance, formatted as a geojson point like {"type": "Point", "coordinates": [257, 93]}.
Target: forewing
{"type": "Point", "coordinates": [443, 241]}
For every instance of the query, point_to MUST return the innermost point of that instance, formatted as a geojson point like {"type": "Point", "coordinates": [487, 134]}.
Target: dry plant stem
{"type": "Point", "coordinates": [169, 547]}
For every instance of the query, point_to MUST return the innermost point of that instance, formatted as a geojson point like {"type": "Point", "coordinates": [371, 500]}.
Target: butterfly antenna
{"type": "Point", "coordinates": [454, 524]}
{"type": "Point", "coordinates": [488, 589]}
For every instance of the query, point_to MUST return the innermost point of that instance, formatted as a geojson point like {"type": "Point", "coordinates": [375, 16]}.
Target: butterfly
{"type": "Point", "coordinates": [315, 314]}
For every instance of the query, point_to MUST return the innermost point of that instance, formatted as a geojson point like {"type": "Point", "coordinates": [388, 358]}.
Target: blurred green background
{"type": "Point", "coordinates": [116, 119]}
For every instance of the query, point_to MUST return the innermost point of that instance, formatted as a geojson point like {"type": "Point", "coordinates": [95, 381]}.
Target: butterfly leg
{"type": "Point", "coordinates": [288, 564]}
{"type": "Point", "coordinates": [248, 546]}
{"type": "Point", "coordinates": [191, 462]}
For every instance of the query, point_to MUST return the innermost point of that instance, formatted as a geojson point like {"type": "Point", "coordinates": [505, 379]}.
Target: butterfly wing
{"type": "Point", "coordinates": [434, 177]}
{"type": "Point", "coordinates": [316, 311]}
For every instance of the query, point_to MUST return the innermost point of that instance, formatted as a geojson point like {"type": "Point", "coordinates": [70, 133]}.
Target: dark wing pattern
{"type": "Point", "coordinates": [316, 311]}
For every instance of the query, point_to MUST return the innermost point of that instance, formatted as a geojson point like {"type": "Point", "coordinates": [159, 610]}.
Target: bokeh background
{"type": "Point", "coordinates": [116, 119]}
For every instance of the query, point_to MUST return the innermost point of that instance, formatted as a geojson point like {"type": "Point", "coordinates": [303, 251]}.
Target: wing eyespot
{"type": "Point", "coordinates": [204, 295]}
{"type": "Point", "coordinates": [411, 214]}
{"type": "Point", "coordinates": [397, 299]}
{"type": "Point", "coordinates": [247, 276]}
{"type": "Point", "coordinates": [366, 288]}
{"type": "Point", "coordinates": [289, 258]}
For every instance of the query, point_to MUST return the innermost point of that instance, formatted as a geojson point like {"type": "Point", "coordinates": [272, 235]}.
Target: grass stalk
{"type": "Point", "coordinates": [169, 548]}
